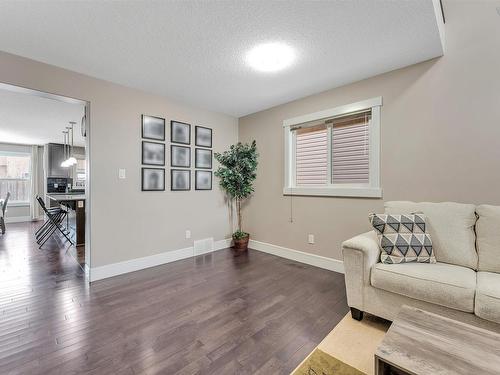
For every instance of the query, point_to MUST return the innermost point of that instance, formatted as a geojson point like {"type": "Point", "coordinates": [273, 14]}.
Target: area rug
{"type": "Point", "coordinates": [347, 350]}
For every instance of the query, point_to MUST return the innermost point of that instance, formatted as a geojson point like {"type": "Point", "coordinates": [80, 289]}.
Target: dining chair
{"type": "Point", "coordinates": [3, 210]}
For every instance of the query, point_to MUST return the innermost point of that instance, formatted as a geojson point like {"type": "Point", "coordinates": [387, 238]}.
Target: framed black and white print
{"type": "Point", "coordinates": [203, 180]}
{"type": "Point", "coordinates": [180, 156]}
{"type": "Point", "coordinates": [153, 179]}
{"type": "Point", "coordinates": [180, 132]}
{"type": "Point", "coordinates": [180, 179]}
{"type": "Point", "coordinates": [203, 158]}
{"type": "Point", "coordinates": [153, 153]}
{"type": "Point", "coordinates": [203, 136]}
{"type": "Point", "coordinates": [153, 127]}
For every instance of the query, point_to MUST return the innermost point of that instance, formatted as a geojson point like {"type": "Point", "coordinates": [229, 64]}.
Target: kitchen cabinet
{"type": "Point", "coordinates": [56, 156]}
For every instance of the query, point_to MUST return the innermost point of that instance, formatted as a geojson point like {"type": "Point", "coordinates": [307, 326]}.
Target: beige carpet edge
{"type": "Point", "coordinates": [354, 342]}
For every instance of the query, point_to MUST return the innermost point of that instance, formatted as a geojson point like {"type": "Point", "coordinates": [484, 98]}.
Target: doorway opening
{"type": "Point", "coordinates": [44, 178]}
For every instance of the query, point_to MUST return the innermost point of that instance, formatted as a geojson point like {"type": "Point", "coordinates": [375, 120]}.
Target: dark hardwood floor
{"type": "Point", "coordinates": [213, 314]}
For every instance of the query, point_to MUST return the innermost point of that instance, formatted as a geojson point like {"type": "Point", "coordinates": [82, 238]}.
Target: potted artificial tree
{"type": "Point", "coordinates": [237, 172]}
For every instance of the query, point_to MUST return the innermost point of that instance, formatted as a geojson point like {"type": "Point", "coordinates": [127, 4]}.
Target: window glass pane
{"type": "Point", "coordinates": [19, 190]}
{"type": "Point", "coordinates": [14, 166]}
{"type": "Point", "coordinates": [311, 156]}
{"type": "Point", "coordinates": [15, 177]}
{"type": "Point", "coordinates": [80, 164]}
{"type": "Point", "coordinates": [351, 149]}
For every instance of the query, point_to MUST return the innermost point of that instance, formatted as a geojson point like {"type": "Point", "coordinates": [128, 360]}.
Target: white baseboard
{"type": "Point", "coordinates": [115, 269]}
{"type": "Point", "coordinates": [17, 219]}
{"type": "Point", "coordinates": [298, 256]}
{"type": "Point", "coordinates": [222, 244]}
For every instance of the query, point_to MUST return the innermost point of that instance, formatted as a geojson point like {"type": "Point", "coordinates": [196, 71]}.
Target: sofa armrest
{"type": "Point", "coordinates": [367, 243]}
{"type": "Point", "coordinates": [360, 253]}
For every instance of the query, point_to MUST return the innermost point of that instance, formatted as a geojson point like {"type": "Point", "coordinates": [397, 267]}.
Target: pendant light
{"type": "Point", "coordinates": [64, 164]}
{"type": "Point", "coordinates": [71, 159]}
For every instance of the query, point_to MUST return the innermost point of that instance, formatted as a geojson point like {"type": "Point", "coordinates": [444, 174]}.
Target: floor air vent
{"type": "Point", "coordinates": [203, 246]}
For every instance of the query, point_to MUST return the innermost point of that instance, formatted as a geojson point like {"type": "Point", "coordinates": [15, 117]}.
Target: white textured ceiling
{"type": "Point", "coordinates": [193, 51]}
{"type": "Point", "coordinates": [29, 119]}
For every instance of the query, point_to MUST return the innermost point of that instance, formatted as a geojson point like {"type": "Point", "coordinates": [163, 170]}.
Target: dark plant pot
{"type": "Point", "coordinates": [241, 245]}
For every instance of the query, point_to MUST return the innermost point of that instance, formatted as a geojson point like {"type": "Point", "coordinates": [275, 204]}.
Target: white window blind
{"type": "Point", "coordinates": [311, 156]}
{"type": "Point", "coordinates": [351, 149]}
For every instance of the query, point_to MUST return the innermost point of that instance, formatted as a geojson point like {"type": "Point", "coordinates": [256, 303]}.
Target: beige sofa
{"type": "Point", "coordinates": [465, 281]}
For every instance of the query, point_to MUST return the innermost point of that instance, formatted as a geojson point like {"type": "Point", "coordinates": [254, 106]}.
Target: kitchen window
{"type": "Point", "coordinates": [79, 174]}
{"type": "Point", "coordinates": [15, 177]}
{"type": "Point", "coordinates": [335, 152]}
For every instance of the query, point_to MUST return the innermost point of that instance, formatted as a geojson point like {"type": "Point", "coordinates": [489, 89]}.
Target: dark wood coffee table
{"type": "Point", "coordinates": [422, 343]}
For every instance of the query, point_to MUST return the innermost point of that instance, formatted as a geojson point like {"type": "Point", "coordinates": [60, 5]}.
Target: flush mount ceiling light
{"type": "Point", "coordinates": [270, 57]}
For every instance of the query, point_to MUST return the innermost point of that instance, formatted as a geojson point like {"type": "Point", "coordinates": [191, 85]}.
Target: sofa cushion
{"type": "Point", "coordinates": [451, 226]}
{"type": "Point", "coordinates": [402, 238]}
{"type": "Point", "coordinates": [440, 283]}
{"type": "Point", "coordinates": [488, 238]}
{"type": "Point", "coordinates": [487, 304]}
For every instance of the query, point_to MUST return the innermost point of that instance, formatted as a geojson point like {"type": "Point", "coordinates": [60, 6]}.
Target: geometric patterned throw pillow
{"type": "Point", "coordinates": [403, 238]}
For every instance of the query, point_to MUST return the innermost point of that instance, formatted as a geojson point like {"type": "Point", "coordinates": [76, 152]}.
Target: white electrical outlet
{"type": "Point", "coordinates": [188, 234]}
{"type": "Point", "coordinates": [121, 173]}
{"type": "Point", "coordinates": [310, 239]}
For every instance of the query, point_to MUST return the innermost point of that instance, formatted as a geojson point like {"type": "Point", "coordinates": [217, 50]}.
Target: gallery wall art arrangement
{"type": "Point", "coordinates": [154, 157]}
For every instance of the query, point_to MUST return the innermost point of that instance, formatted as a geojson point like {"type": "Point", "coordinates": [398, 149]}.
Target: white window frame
{"type": "Point", "coordinates": [13, 203]}
{"type": "Point", "coordinates": [370, 190]}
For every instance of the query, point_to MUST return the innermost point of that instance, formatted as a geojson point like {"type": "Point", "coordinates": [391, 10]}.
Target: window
{"type": "Point", "coordinates": [15, 176]}
{"type": "Point", "coordinates": [79, 172]}
{"type": "Point", "coordinates": [334, 152]}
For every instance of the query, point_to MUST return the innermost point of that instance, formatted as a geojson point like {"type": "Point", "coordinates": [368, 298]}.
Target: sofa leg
{"type": "Point", "coordinates": [356, 314]}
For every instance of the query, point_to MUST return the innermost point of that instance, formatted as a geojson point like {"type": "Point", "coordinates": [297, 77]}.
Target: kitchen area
{"type": "Point", "coordinates": [65, 188]}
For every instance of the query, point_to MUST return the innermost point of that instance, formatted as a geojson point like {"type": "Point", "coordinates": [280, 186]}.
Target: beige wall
{"type": "Point", "coordinates": [440, 139]}
{"type": "Point", "coordinates": [128, 223]}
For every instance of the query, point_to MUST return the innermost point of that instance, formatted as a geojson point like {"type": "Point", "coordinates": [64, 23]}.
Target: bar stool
{"type": "Point", "coordinates": [55, 218]}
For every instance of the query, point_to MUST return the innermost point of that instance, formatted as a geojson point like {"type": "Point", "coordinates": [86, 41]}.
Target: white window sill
{"type": "Point", "coordinates": [356, 192]}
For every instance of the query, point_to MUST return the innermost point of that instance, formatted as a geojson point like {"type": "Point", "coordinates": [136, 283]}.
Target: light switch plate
{"type": "Point", "coordinates": [310, 239]}
{"type": "Point", "coordinates": [121, 173]}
